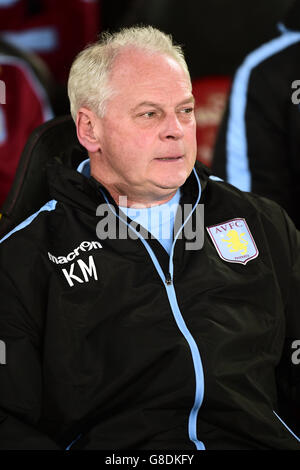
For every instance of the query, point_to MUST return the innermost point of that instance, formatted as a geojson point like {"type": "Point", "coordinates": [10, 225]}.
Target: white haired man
{"type": "Point", "coordinates": [177, 335]}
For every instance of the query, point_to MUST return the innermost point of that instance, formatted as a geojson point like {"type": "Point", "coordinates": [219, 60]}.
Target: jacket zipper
{"type": "Point", "coordinates": [171, 293]}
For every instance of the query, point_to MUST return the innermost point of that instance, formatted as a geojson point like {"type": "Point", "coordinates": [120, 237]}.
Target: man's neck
{"type": "Point", "coordinates": [127, 201]}
{"type": "Point", "coordinates": [125, 198]}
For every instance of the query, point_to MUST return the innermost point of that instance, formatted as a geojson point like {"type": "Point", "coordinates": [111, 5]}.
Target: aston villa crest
{"type": "Point", "coordinates": [233, 241]}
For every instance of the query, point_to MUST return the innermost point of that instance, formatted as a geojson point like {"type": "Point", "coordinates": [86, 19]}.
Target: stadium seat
{"type": "Point", "coordinates": [55, 139]}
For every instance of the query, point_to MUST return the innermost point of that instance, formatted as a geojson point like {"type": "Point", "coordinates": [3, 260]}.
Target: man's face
{"type": "Point", "coordinates": [148, 134]}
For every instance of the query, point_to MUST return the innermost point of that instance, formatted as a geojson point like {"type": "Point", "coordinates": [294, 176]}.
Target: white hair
{"type": "Point", "coordinates": [88, 83]}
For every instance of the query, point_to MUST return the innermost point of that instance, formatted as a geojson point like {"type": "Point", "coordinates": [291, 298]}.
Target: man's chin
{"type": "Point", "coordinates": [170, 183]}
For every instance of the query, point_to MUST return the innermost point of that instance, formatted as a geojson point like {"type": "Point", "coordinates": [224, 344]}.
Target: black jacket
{"type": "Point", "coordinates": [258, 144]}
{"type": "Point", "coordinates": [108, 347]}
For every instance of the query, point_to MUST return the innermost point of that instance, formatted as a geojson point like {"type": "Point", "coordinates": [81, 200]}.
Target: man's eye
{"type": "Point", "coordinates": [149, 114]}
{"type": "Point", "coordinates": [187, 110]}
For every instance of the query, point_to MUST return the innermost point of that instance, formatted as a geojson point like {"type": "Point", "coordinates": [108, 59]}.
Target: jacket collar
{"type": "Point", "coordinates": [73, 188]}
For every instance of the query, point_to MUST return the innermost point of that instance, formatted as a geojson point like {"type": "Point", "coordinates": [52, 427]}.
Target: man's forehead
{"type": "Point", "coordinates": [140, 79]}
{"type": "Point", "coordinates": [133, 61]}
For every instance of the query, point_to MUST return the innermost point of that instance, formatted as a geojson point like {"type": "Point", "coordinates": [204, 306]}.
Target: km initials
{"type": "Point", "coordinates": [87, 271]}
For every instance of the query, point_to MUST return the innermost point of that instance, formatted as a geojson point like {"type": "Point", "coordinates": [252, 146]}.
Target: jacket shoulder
{"type": "Point", "coordinates": [33, 232]}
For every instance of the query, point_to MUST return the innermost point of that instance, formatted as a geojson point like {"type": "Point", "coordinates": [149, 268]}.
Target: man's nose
{"type": "Point", "coordinates": [171, 128]}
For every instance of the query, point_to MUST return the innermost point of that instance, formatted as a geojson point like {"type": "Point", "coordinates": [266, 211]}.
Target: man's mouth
{"type": "Point", "coordinates": [170, 159]}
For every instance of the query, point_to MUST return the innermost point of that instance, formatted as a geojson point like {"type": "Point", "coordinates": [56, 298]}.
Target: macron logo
{"type": "Point", "coordinates": [86, 271]}
{"type": "Point", "coordinates": [84, 246]}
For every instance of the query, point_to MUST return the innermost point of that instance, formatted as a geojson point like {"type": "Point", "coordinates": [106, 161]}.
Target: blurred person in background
{"type": "Point", "coordinates": [55, 30]}
{"type": "Point", "coordinates": [258, 146]}
{"type": "Point", "coordinates": [38, 42]}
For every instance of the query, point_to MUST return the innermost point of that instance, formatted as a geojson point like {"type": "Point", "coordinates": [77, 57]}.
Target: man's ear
{"type": "Point", "coordinates": [87, 129]}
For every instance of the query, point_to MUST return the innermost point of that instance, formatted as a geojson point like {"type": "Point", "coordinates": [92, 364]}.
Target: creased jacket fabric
{"type": "Point", "coordinates": [111, 344]}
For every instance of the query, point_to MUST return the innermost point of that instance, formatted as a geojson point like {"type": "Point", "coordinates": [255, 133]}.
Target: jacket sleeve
{"type": "Point", "coordinates": [20, 373]}
{"type": "Point", "coordinates": [288, 371]}
{"type": "Point", "coordinates": [257, 147]}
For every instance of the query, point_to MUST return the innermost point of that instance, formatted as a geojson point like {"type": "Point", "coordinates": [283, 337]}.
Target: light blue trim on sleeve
{"type": "Point", "coordinates": [237, 164]}
{"type": "Point", "coordinates": [49, 206]}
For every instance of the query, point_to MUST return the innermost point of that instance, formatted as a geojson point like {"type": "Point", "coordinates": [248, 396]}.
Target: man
{"type": "Point", "coordinates": [131, 339]}
{"type": "Point", "coordinates": [258, 145]}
